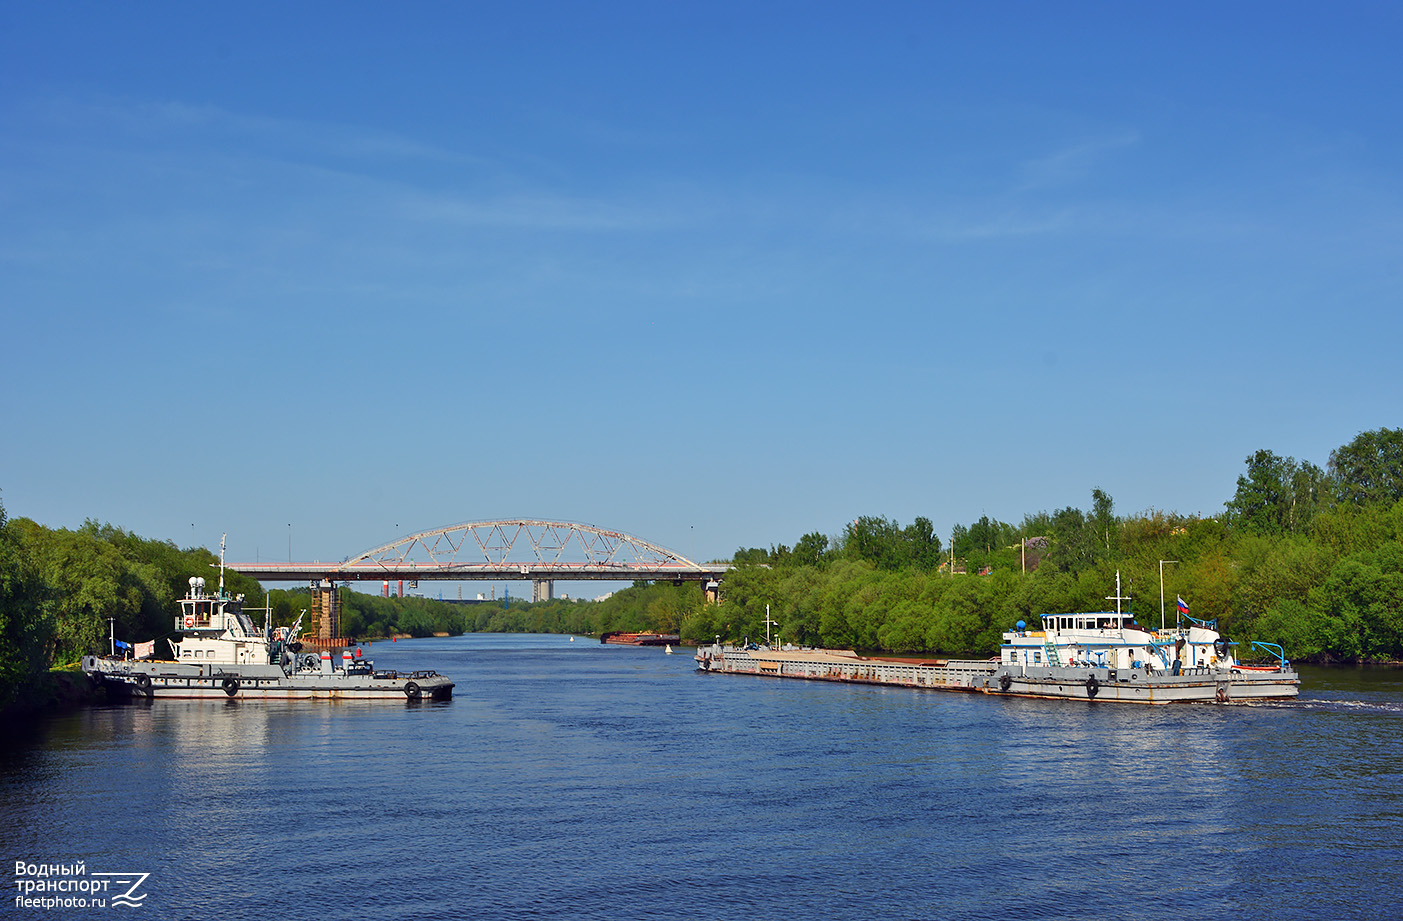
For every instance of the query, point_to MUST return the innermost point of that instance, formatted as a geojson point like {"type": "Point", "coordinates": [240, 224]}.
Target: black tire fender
{"type": "Point", "coordinates": [1005, 681]}
{"type": "Point", "coordinates": [1092, 687]}
{"type": "Point", "coordinates": [143, 684]}
{"type": "Point", "coordinates": [230, 685]}
{"type": "Point", "coordinates": [412, 691]}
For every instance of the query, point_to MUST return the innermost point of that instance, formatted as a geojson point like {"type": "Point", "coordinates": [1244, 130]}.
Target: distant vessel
{"type": "Point", "coordinates": [219, 653]}
{"type": "Point", "coordinates": [1101, 656]}
{"type": "Point", "coordinates": [640, 639]}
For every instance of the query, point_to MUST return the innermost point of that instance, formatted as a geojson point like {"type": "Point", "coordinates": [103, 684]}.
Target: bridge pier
{"type": "Point", "coordinates": [326, 613]}
{"type": "Point", "coordinates": [542, 590]}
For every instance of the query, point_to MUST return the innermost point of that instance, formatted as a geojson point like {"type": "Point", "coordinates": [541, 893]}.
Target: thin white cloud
{"type": "Point", "coordinates": [178, 122]}
{"type": "Point", "coordinates": [1072, 164]}
{"type": "Point", "coordinates": [541, 212]}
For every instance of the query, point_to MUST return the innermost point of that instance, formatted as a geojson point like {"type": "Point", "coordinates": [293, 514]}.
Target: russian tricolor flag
{"type": "Point", "coordinates": [1183, 606]}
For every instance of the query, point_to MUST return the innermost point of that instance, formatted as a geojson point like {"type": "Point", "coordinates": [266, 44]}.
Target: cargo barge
{"type": "Point", "coordinates": [640, 639]}
{"type": "Point", "coordinates": [1102, 656]}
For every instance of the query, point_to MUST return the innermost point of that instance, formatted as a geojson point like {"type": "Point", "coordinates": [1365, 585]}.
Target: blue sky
{"type": "Point", "coordinates": [712, 274]}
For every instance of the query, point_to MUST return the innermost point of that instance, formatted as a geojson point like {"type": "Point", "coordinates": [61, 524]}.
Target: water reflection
{"type": "Point", "coordinates": [573, 780]}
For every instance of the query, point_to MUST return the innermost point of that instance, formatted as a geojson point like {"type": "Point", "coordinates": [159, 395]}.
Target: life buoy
{"type": "Point", "coordinates": [411, 690]}
{"type": "Point", "coordinates": [230, 685]}
{"type": "Point", "coordinates": [189, 622]}
{"type": "Point", "coordinates": [1093, 686]}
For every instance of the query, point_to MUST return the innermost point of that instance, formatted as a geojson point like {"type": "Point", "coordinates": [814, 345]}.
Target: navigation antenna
{"type": "Point", "coordinates": [1117, 597]}
{"type": "Point", "coordinates": [221, 563]}
{"type": "Point", "coordinates": [768, 622]}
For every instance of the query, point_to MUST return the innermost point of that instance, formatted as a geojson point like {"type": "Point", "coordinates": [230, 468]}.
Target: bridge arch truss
{"type": "Point", "coordinates": [551, 544]}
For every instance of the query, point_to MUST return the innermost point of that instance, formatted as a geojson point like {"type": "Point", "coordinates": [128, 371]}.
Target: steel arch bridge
{"type": "Point", "coordinates": [506, 550]}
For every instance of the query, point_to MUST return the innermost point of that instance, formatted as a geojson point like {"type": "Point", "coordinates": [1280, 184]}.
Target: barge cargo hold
{"type": "Point", "coordinates": [845, 665]}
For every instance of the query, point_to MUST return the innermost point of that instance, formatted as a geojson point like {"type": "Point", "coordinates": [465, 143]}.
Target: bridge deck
{"type": "Point", "coordinates": [464, 572]}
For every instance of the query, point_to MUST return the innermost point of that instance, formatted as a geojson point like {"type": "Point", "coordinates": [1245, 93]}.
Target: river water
{"type": "Point", "coordinates": [574, 780]}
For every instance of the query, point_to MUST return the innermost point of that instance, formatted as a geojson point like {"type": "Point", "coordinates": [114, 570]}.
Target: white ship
{"type": "Point", "coordinates": [219, 653]}
{"type": "Point", "coordinates": [1109, 656]}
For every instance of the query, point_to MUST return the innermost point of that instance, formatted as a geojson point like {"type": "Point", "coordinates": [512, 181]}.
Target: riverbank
{"type": "Point", "coordinates": [55, 691]}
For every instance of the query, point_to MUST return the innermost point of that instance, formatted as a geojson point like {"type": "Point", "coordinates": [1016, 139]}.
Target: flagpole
{"type": "Point", "coordinates": [1161, 591]}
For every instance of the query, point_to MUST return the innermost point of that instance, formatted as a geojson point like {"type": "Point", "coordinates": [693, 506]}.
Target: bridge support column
{"type": "Point", "coordinates": [542, 589]}
{"type": "Point", "coordinates": [326, 611]}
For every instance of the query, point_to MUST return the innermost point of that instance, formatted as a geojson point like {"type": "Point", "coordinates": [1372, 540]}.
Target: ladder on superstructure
{"type": "Point", "coordinates": [1051, 647]}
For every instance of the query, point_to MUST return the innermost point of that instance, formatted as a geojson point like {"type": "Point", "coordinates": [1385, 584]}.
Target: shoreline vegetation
{"type": "Point", "coordinates": [1307, 557]}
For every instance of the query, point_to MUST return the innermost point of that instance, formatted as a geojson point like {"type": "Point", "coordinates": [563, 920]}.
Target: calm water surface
{"type": "Point", "coordinates": [574, 780]}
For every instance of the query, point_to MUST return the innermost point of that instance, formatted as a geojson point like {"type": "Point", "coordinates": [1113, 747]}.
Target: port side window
{"type": "Point", "coordinates": [1037, 656]}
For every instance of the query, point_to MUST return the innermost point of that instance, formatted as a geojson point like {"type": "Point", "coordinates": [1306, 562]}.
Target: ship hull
{"type": "Point", "coordinates": [1138, 686]}
{"type": "Point", "coordinates": [225, 682]}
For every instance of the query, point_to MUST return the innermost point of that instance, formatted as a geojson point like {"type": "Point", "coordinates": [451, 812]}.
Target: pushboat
{"type": "Point", "coordinates": [218, 653]}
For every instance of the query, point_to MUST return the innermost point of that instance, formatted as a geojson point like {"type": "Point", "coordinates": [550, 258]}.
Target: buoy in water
{"type": "Point", "coordinates": [668, 649]}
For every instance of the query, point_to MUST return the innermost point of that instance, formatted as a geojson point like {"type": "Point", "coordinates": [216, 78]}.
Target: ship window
{"type": "Point", "coordinates": [1037, 656]}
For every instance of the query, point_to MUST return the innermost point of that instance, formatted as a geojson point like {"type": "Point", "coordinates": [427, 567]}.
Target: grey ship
{"type": "Point", "coordinates": [220, 654]}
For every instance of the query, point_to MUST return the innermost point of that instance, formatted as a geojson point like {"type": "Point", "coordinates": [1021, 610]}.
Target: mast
{"type": "Point", "coordinates": [221, 564]}
{"type": "Point", "coordinates": [1117, 597]}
